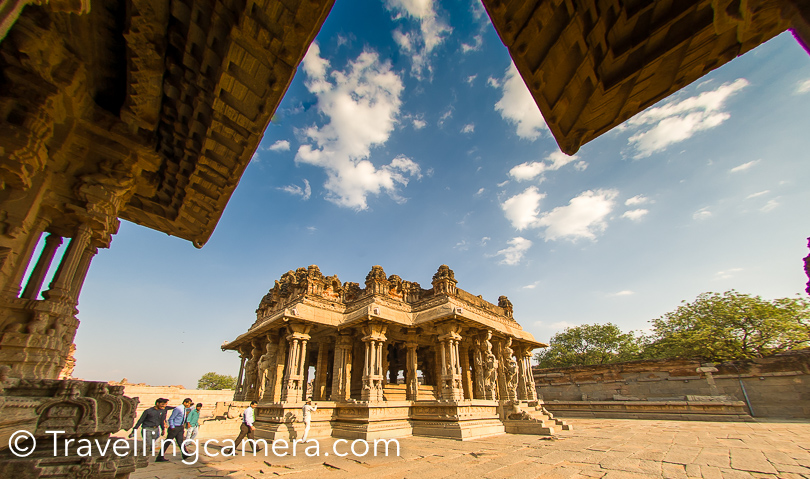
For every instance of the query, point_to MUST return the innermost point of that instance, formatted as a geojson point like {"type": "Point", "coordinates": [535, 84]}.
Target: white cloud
{"type": "Point", "coordinates": [470, 79]}
{"type": "Point", "coordinates": [462, 245]}
{"type": "Point", "coordinates": [514, 253]}
{"type": "Point", "coordinates": [304, 192]}
{"type": "Point", "coordinates": [255, 158]}
{"type": "Point", "coordinates": [469, 128]}
{"type": "Point", "coordinates": [522, 209]}
{"type": "Point", "coordinates": [478, 41]}
{"type": "Point", "coordinates": [803, 87]}
{"type": "Point", "coordinates": [480, 192]}
{"type": "Point", "coordinates": [676, 121]}
{"type": "Point", "coordinates": [419, 44]}
{"type": "Point", "coordinates": [744, 166]}
{"type": "Point", "coordinates": [583, 217]}
{"type": "Point", "coordinates": [702, 214]}
{"type": "Point", "coordinates": [636, 200]}
{"type": "Point", "coordinates": [625, 292]}
{"type": "Point", "coordinates": [760, 193]}
{"type": "Point", "coordinates": [531, 286]}
{"type": "Point", "coordinates": [635, 215]}
{"type": "Point", "coordinates": [771, 204]}
{"type": "Point", "coordinates": [445, 116]}
{"type": "Point", "coordinates": [419, 124]}
{"type": "Point", "coordinates": [517, 106]}
{"type": "Point", "coordinates": [502, 183]}
{"type": "Point", "coordinates": [554, 161]}
{"type": "Point", "coordinates": [312, 229]}
{"type": "Point", "coordinates": [726, 274]}
{"type": "Point", "coordinates": [493, 82]}
{"type": "Point", "coordinates": [280, 145]}
{"type": "Point", "coordinates": [361, 104]}
{"type": "Point", "coordinates": [484, 240]}
{"type": "Point", "coordinates": [581, 165]}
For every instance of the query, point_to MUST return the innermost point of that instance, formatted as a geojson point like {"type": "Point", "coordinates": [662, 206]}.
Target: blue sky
{"type": "Point", "coordinates": [406, 140]}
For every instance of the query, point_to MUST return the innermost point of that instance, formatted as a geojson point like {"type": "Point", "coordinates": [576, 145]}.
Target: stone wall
{"type": "Point", "coordinates": [777, 386]}
{"type": "Point", "coordinates": [175, 394]}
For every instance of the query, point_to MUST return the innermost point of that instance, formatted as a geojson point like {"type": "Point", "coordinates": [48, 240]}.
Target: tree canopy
{"type": "Point", "coordinates": [589, 344]}
{"type": "Point", "coordinates": [216, 381]}
{"type": "Point", "coordinates": [728, 326]}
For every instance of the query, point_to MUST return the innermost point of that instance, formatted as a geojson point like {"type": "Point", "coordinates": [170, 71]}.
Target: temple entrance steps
{"type": "Point", "coordinates": [395, 392]}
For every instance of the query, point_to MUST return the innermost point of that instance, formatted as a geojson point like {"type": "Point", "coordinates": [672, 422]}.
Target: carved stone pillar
{"type": "Point", "coordinates": [319, 387]}
{"type": "Point", "coordinates": [296, 358]}
{"type": "Point", "coordinates": [451, 387]}
{"type": "Point", "coordinates": [34, 285]}
{"type": "Point", "coordinates": [531, 388]}
{"type": "Point", "coordinates": [373, 372]}
{"type": "Point", "coordinates": [252, 370]}
{"type": "Point", "coordinates": [478, 369]}
{"type": "Point", "coordinates": [342, 369]}
{"type": "Point", "coordinates": [239, 394]}
{"type": "Point", "coordinates": [13, 265]}
{"type": "Point", "coordinates": [81, 274]}
{"type": "Point", "coordinates": [491, 368]}
{"type": "Point", "coordinates": [509, 372]}
{"type": "Point", "coordinates": [274, 389]}
{"type": "Point", "coordinates": [62, 283]}
{"type": "Point", "coordinates": [267, 369]}
{"type": "Point", "coordinates": [466, 377]}
{"type": "Point", "coordinates": [411, 366]}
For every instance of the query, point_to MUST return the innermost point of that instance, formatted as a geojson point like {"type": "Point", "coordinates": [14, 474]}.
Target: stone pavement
{"type": "Point", "coordinates": [596, 448]}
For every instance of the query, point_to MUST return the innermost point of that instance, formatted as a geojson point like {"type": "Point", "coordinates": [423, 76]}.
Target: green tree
{"type": "Point", "coordinates": [216, 381]}
{"type": "Point", "coordinates": [729, 326]}
{"type": "Point", "coordinates": [589, 344]}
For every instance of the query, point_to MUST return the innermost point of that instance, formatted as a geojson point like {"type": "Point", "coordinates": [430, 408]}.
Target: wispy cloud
{"type": "Point", "coordinates": [803, 86]}
{"type": "Point", "coordinates": [445, 116]}
{"type": "Point", "coordinates": [554, 161]}
{"type": "Point", "coordinates": [361, 104]}
{"type": "Point", "coordinates": [702, 214]}
{"type": "Point", "coordinates": [744, 166]}
{"type": "Point", "coordinates": [304, 192]}
{"type": "Point", "coordinates": [468, 128]}
{"type": "Point", "coordinates": [480, 192]}
{"type": "Point", "coordinates": [470, 79]}
{"type": "Point", "coordinates": [757, 194]}
{"type": "Point", "coordinates": [514, 254]}
{"type": "Point", "coordinates": [635, 215]}
{"type": "Point", "coordinates": [419, 124]}
{"type": "Point", "coordinates": [478, 41]}
{"type": "Point", "coordinates": [280, 145]}
{"type": "Point", "coordinates": [583, 217]}
{"type": "Point", "coordinates": [517, 106]}
{"type": "Point", "coordinates": [625, 292]}
{"type": "Point", "coordinates": [730, 273]}
{"type": "Point", "coordinates": [676, 121]}
{"type": "Point", "coordinates": [771, 204]}
{"type": "Point", "coordinates": [493, 82]}
{"type": "Point", "coordinates": [418, 44]}
{"type": "Point", "coordinates": [531, 286]}
{"type": "Point", "coordinates": [636, 200]}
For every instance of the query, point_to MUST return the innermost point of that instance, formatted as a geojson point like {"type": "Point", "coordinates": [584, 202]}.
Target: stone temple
{"type": "Point", "coordinates": [150, 110]}
{"type": "Point", "coordinates": [389, 360]}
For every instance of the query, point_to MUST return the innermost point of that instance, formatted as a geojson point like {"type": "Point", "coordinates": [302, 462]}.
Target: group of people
{"type": "Point", "coordinates": [182, 425]}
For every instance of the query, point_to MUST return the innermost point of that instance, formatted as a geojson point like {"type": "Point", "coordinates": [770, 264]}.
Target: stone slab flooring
{"type": "Point", "coordinates": [596, 448]}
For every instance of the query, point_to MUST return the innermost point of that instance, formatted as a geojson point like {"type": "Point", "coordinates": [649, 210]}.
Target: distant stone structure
{"type": "Point", "coordinates": [776, 386]}
{"type": "Point", "coordinates": [391, 359]}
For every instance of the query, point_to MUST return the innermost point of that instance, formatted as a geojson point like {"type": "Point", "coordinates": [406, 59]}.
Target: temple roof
{"type": "Point", "coordinates": [305, 295]}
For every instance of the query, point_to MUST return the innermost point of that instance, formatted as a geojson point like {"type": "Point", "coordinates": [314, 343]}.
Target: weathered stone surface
{"type": "Point", "coordinates": [401, 360]}
{"type": "Point", "coordinates": [592, 65]}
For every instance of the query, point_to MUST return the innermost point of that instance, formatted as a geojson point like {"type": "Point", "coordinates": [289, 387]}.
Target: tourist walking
{"type": "Point", "coordinates": [247, 428]}
{"type": "Point", "coordinates": [152, 424]}
{"type": "Point", "coordinates": [177, 423]}
{"type": "Point", "coordinates": [193, 422]}
{"type": "Point", "coordinates": [306, 412]}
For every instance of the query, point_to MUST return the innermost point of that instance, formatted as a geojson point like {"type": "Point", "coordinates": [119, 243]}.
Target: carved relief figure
{"type": "Point", "coordinates": [491, 377]}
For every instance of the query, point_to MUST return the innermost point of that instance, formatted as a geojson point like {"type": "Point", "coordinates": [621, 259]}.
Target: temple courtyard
{"type": "Point", "coordinates": [595, 448]}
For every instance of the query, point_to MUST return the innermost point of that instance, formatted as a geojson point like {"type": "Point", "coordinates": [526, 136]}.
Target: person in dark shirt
{"type": "Point", "coordinates": [153, 425]}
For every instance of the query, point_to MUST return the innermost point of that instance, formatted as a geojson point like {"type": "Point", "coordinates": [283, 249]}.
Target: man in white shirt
{"type": "Point", "coordinates": [306, 412]}
{"type": "Point", "coordinates": [247, 428]}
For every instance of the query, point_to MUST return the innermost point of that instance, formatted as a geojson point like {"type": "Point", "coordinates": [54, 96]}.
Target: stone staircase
{"type": "Point", "coordinates": [397, 392]}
